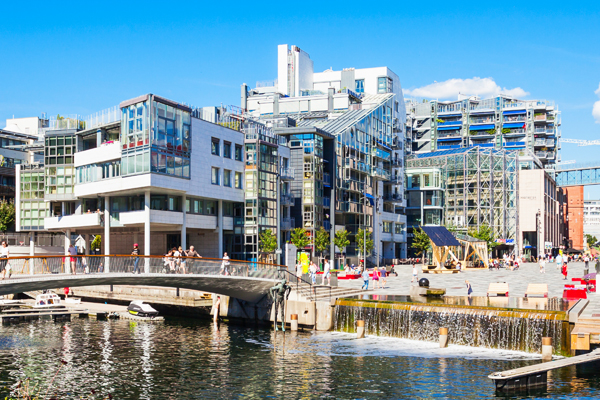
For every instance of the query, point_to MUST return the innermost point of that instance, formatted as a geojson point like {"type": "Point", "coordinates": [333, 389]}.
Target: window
{"type": "Point", "coordinates": [398, 228]}
{"type": "Point", "coordinates": [214, 148]}
{"type": "Point", "coordinates": [239, 153]}
{"type": "Point", "coordinates": [360, 86]}
{"type": "Point", "coordinates": [226, 149]}
{"type": "Point", "coordinates": [387, 227]}
{"type": "Point", "coordinates": [211, 208]}
{"type": "Point", "coordinates": [384, 85]}
{"type": "Point", "coordinates": [238, 180]}
{"type": "Point", "coordinates": [226, 178]}
{"type": "Point", "coordinates": [215, 176]}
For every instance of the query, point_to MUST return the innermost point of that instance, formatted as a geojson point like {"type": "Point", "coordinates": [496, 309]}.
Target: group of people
{"type": "Point", "coordinates": [312, 272]}
{"type": "Point", "coordinates": [562, 263]}
{"type": "Point", "coordinates": [174, 261]}
{"type": "Point", "coordinates": [511, 263]}
{"type": "Point", "coordinates": [378, 276]}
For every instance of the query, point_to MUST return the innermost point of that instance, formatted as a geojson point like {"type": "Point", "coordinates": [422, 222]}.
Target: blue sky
{"type": "Point", "coordinates": [75, 58]}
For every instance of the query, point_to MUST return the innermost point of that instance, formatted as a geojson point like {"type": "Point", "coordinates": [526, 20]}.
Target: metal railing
{"type": "Point", "coordinates": [102, 264]}
{"type": "Point", "coordinates": [287, 173]}
{"type": "Point", "coordinates": [306, 288]}
{"type": "Point", "coordinates": [103, 117]}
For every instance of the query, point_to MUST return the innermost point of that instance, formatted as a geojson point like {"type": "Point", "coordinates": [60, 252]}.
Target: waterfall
{"type": "Point", "coordinates": [480, 327]}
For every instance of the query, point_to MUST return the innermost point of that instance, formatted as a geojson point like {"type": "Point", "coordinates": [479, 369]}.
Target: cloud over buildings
{"type": "Point", "coordinates": [449, 90]}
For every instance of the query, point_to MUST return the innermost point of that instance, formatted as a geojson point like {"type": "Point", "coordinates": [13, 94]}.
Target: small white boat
{"type": "Point", "coordinates": [141, 309]}
{"type": "Point", "coordinates": [48, 300]}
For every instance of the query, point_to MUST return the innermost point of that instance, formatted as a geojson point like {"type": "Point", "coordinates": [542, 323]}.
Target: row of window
{"type": "Point", "coordinates": [227, 182]}
{"type": "Point", "coordinates": [387, 227]}
{"type": "Point", "coordinates": [215, 149]}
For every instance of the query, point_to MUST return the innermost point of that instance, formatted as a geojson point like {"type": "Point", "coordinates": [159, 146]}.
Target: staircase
{"type": "Point", "coordinates": [308, 292]}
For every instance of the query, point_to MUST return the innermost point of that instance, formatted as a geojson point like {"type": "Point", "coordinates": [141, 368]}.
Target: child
{"type": "Point", "coordinates": [415, 273]}
{"type": "Point", "coordinates": [564, 270]}
{"type": "Point", "coordinates": [469, 289]}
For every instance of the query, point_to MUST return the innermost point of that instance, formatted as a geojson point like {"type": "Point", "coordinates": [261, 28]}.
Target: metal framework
{"type": "Point", "coordinates": [578, 174]}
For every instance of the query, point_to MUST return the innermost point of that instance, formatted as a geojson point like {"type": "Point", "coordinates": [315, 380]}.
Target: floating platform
{"type": "Point", "coordinates": [536, 375]}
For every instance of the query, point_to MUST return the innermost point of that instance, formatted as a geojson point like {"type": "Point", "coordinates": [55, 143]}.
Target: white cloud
{"type": "Point", "coordinates": [449, 90]}
{"type": "Point", "coordinates": [596, 108]}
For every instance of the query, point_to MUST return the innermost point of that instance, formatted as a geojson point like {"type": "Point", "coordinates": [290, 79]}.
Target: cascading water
{"type": "Point", "coordinates": [482, 327]}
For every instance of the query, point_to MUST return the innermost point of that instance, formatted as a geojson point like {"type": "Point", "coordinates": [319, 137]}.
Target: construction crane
{"type": "Point", "coordinates": [580, 142]}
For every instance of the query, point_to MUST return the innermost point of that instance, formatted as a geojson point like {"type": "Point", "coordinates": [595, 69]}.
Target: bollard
{"type": "Point", "coordinates": [360, 329]}
{"type": "Point", "coordinates": [546, 349]}
{"type": "Point", "coordinates": [294, 322]}
{"type": "Point", "coordinates": [443, 337]}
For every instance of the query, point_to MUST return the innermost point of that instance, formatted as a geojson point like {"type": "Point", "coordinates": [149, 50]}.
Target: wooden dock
{"type": "Point", "coordinates": [537, 375]}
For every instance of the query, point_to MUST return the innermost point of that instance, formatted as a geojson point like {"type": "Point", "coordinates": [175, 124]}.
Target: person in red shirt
{"type": "Point", "coordinates": [564, 270]}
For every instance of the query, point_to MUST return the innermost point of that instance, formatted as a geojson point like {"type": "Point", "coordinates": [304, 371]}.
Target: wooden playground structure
{"type": "Point", "coordinates": [451, 249]}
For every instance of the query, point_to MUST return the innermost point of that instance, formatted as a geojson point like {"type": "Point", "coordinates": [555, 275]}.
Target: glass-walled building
{"type": "Point", "coordinates": [465, 189]}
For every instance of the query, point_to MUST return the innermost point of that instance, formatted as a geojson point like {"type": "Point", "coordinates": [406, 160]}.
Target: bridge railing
{"type": "Point", "coordinates": [98, 264]}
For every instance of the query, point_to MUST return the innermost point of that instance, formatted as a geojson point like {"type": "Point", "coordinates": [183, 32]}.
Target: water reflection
{"type": "Point", "coordinates": [183, 359]}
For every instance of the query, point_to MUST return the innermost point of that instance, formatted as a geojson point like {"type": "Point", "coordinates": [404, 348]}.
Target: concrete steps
{"type": "Point", "coordinates": [324, 293]}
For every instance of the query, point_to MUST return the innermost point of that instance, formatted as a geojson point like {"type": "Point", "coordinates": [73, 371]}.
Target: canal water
{"type": "Point", "coordinates": [193, 359]}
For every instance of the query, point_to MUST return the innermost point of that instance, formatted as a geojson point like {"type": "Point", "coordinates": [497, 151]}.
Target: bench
{"type": "Point", "coordinates": [498, 288]}
{"type": "Point", "coordinates": [537, 289]}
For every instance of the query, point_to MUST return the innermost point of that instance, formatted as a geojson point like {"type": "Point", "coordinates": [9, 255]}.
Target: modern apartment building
{"type": "Point", "coordinates": [498, 122]}
{"type": "Point", "coordinates": [345, 131]}
{"type": "Point", "coordinates": [591, 218]}
{"type": "Point", "coordinates": [159, 173]}
{"type": "Point", "coordinates": [13, 152]}
{"type": "Point", "coordinates": [465, 188]}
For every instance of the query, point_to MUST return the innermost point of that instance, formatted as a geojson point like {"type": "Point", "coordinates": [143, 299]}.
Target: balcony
{"type": "Point", "coordinates": [544, 131]}
{"type": "Point", "coordinates": [396, 162]}
{"type": "Point", "coordinates": [287, 224]}
{"type": "Point", "coordinates": [544, 143]}
{"type": "Point", "coordinates": [515, 118]}
{"type": "Point", "coordinates": [518, 143]}
{"type": "Point", "coordinates": [107, 152]}
{"type": "Point", "coordinates": [287, 199]}
{"type": "Point", "coordinates": [381, 173]}
{"type": "Point", "coordinates": [327, 202]}
{"type": "Point", "coordinates": [482, 120]}
{"type": "Point", "coordinates": [540, 117]}
{"type": "Point", "coordinates": [396, 179]}
{"type": "Point", "coordinates": [92, 220]}
{"type": "Point", "coordinates": [519, 131]}
{"type": "Point", "coordinates": [287, 174]}
{"type": "Point", "coordinates": [392, 197]}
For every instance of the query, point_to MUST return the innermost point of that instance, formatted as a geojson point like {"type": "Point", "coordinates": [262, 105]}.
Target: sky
{"type": "Point", "coordinates": [75, 58]}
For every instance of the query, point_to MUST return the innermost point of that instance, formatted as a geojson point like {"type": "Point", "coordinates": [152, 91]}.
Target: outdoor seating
{"type": "Point", "coordinates": [537, 289]}
{"type": "Point", "coordinates": [498, 288]}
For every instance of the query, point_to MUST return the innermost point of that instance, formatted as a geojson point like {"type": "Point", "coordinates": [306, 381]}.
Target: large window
{"type": "Point", "coordinates": [215, 176]}
{"type": "Point", "coordinates": [226, 149]}
{"type": "Point", "coordinates": [238, 180]}
{"type": "Point", "coordinates": [239, 153]}
{"type": "Point", "coordinates": [360, 86]}
{"type": "Point", "coordinates": [384, 85]}
{"type": "Point", "coordinates": [214, 147]}
{"type": "Point", "coordinates": [387, 227]}
{"type": "Point", "coordinates": [226, 178]}
{"type": "Point", "coordinates": [165, 203]}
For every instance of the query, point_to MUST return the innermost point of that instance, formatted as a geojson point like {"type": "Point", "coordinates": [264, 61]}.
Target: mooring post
{"type": "Point", "coordinates": [294, 322]}
{"type": "Point", "coordinates": [360, 329]}
{"type": "Point", "coordinates": [546, 349]}
{"type": "Point", "coordinates": [443, 337]}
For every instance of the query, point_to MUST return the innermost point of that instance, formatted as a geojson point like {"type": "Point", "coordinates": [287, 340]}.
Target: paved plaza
{"type": "Point", "coordinates": [479, 279]}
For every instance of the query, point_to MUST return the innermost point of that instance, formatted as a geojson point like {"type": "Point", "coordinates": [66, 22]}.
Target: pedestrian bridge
{"type": "Point", "coordinates": [578, 174]}
{"type": "Point", "coordinates": [248, 281]}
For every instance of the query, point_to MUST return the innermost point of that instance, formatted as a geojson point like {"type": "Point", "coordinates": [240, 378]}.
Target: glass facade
{"type": "Point", "coordinates": [155, 137]}
{"type": "Point", "coordinates": [33, 208]}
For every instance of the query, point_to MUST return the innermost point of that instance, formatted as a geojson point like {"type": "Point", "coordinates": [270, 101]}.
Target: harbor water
{"type": "Point", "coordinates": [195, 359]}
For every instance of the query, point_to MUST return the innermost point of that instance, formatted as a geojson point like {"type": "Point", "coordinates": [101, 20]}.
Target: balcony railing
{"type": "Point", "coordinates": [103, 117]}
{"type": "Point", "coordinates": [514, 118]}
{"type": "Point", "coordinates": [393, 197]}
{"type": "Point", "coordinates": [287, 174]}
{"type": "Point", "coordinates": [287, 224]}
{"type": "Point", "coordinates": [481, 120]}
{"type": "Point", "coordinates": [381, 173]}
{"type": "Point", "coordinates": [544, 131]}
{"type": "Point", "coordinates": [541, 117]}
{"type": "Point", "coordinates": [520, 131]}
{"type": "Point", "coordinates": [287, 200]}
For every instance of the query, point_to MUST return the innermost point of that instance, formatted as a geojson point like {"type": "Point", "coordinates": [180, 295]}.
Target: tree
{"type": "Point", "coordinates": [360, 241]}
{"type": "Point", "coordinates": [268, 241]}
{"type": "Point", "coordinates": [321, 240]}
{"type": "Point", "coordinates": [485, 233]}
{"type": "Point", "coordinates": [591, 240]}
{"type": "Point", "coordinates": [341, 241]}
{"type": "Point", "coordinates": [299, 238]}
{"type": "Point", "coordinates": [421, 243]}
{"type": "Point", "coordinates": [7, 215]}
{"type": "Point", "coordinates": [96, 243]}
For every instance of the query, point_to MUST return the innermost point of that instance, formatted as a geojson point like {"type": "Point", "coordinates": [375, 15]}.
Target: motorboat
{"type": "Point", "coordinates": [48, 300]}
{"type": "Point", "coordinates": [141, 309]}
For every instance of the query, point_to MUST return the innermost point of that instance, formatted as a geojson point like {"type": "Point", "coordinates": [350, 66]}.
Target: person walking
{"type": "Point", "coordinates": [326, 273]}
{"type": "Point", "coordinates": [73, 258]}
{"type": "Point", "coordinates": [225, 265]}
{"type": "Point", "coordinates": [4, 254]}
{"type": "Point", "coordinates": [182, 261]}
{"type": "Point", "coordinates": [365, 277]}
{"type": "Point", "coordinates": [559, 261]}
{"type": "Point", "coordinates": [469, 288]}
{"type": "Point", "coordinates": [312, 269]}
{"type": "Point", "coordinates": [565, 270]}
{"type": "Point", "coordinates": [542, 264]}
{"type": "Point", "coordinates": [375, 277]}
{"type": "Point", "coordinates": [299, 270]}
{"type": "Point", "coordinates": [383, 277]}
{"type": "Point", "coordinates": [136, 258]}
{"type": "Point", "coordinates": [415, 276]}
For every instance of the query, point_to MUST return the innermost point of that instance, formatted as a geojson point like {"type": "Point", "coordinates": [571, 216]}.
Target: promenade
{"type": "Point", "coordinates": [479, 279]}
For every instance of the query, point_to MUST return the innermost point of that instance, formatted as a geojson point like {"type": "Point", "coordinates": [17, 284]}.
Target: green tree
{"type": "Point", "coordinates": [421, 243]}
{"type": "Point", "coordinates": [485, 233]}
{"type": "Point", "coordinates": [322, 240]}
{"type": "Point", "coordinates": [7, 215]}
{"type": "Point", "coordinates": [268, 241]}
{"type": "Point", "coordinates": [590, 239]}
{"type": "Point", "coordinates": [341, 240]}
{"type": "Point", "coordinates": [362, 244]}
{"type": "Point", "coordinates": [299, 238]}
{"type": "Point", "coordinates": [96, 243]}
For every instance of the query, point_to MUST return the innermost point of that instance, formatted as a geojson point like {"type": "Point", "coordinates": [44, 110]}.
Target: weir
{"type": "Point", "coordinates": [501, 323]}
